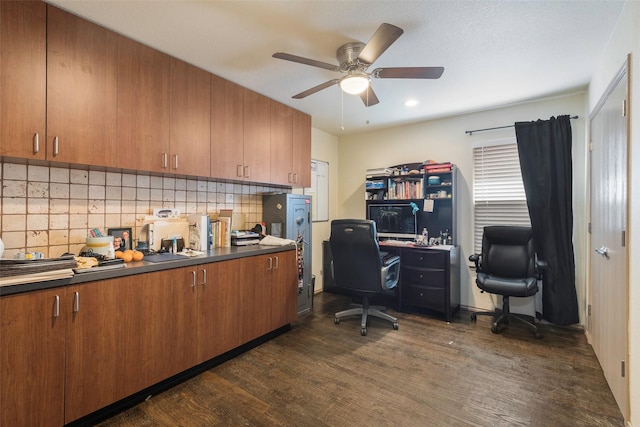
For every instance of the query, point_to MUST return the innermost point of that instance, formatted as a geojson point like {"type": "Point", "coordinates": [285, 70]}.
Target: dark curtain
{"type": "Point", "coordinates": [544, 147]}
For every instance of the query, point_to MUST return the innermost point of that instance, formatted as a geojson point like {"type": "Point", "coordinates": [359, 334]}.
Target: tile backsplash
{"type": "Point", "coordinates": [51, 209]}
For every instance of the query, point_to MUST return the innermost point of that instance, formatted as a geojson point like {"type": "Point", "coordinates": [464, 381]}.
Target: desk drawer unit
{"type": "Point", "coordinates": [430, 279]}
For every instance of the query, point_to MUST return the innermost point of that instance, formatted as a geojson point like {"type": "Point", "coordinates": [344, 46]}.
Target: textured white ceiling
{"type": "Point", "coordinates": [494, 52]}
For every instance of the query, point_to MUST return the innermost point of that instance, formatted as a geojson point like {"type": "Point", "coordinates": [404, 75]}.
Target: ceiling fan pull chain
{"type": "Point", "coordinates": [342, 106]}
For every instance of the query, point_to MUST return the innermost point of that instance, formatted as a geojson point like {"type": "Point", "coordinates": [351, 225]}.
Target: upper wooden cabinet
{"type": "Point", "coordinates": [227, 129]}
{"type": "Point", "coordinates": [240, 133]}
{"type": "Point", "coordinates": [23, 79]}
{"type": "Point", "coordinates": [82, 82]}
{"type": "Point", "coordinates": [281, 143]}
{"type": "Point", "coordinates": [290, 146]}
{"type": "Point", "coordinates": [143, 107]}
{"type": "Point", "coordinates": [301, 149]}
{"type": "Point", "coordinates": [257, 137]}
{"type": "Point", "coordinates": [190, 138]}
{"type": "Point", "coordinates": [74, 92]}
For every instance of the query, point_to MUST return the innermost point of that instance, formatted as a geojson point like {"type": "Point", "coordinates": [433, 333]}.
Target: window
{"type": "Point", "coordinates": [498, 193]}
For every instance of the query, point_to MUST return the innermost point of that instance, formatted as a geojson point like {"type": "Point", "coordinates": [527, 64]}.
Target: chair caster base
{"type": "Point", "coordinates": [395, 326]}
{"type": "Point", "coordinates": [363, 331]}
{"type": "Point", "coordinates": [336, 320]}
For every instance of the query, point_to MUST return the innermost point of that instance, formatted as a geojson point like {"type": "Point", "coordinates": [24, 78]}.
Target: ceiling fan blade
{"type": "Point", "coordinates": [369, 97]}
{"type": "Point", "coordinates": [316, 89]}
{"type": "Point", "coordinates": [306, 61]}
{"type": "Point", "coordinates": [408, 73]}
{"type": "Point", "coordinates": [384, 37]}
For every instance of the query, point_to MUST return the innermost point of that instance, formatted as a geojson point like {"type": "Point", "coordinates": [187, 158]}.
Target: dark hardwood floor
{"type": "Point", "coordinates": [427, 373]}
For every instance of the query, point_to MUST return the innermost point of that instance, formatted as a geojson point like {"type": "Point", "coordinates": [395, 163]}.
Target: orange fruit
{"type": "Point", "coordinates": [129, 251]}
{"type": "Point", "coordinates": [127, 256]}
{"type": "Point", "coordinates": [137, 256]}
{"type": "Point", "coordinates": [118, 254]}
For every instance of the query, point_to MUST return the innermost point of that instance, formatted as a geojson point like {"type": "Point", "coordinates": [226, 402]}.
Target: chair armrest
{"type": "Point", "coordinates": [390, 272]}
{"type": "Point", "coordinates": [476, 259]}
{"type": "Point", "coordinates": [541, 267]}
{"type": "Point", "coordinates": [389, 260]}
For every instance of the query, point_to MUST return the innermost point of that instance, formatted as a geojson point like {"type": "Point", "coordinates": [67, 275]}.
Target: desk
{"type": "Point", "coordinates": [429, 277]}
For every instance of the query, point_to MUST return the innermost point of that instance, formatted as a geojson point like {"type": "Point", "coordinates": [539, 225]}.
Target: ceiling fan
{"type": "Point", "coordinates": [354, 59]}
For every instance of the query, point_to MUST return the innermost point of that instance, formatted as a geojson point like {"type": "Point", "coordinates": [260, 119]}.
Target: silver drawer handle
{"type": "Point", "coordinates": [56, 310]}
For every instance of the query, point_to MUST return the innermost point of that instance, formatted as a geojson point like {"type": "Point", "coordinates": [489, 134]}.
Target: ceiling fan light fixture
{"type": "Point", "coordinates": [354, 84]}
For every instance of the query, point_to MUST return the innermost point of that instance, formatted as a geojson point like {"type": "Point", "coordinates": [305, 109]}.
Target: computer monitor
{"type": "Point", "coordinates": [393, 220]}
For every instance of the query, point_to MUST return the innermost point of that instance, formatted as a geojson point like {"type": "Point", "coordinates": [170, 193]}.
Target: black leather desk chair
{"type": "Point", "coordinates": [507, 267]}
{"type": "Point", "coordinates": [359, 266]}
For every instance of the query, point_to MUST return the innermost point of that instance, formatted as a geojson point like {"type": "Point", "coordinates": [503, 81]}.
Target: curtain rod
{"type": "Point", "coordinates": [471, 132]}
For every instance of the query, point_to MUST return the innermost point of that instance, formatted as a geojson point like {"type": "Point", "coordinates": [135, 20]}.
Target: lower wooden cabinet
{"type": "Point", "coordinates": [32, 359]}
{"type": "Point", "coordinates": [70, 351]}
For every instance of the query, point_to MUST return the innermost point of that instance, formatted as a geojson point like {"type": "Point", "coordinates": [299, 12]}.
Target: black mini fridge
{"type": "Point", "coordinates": [289, 216]}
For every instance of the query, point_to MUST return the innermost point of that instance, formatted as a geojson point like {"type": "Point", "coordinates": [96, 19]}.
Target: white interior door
{"type": "Point", "coordinates": [608, 314]}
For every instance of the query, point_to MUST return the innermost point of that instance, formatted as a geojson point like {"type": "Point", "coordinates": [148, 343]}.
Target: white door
{"type": "Point", "coordinates": [608, 319]}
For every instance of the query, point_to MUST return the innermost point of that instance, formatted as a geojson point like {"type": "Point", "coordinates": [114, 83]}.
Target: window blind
{"type": "Point", "coordinates": [498, 192]}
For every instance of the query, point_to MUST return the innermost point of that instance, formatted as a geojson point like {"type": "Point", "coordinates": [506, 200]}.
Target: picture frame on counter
{"type": "Point", "coordinates": [122, 238]}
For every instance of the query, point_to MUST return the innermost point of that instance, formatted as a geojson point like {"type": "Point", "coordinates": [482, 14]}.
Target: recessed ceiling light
{"type": "Point", "coordinates": [410, 102]}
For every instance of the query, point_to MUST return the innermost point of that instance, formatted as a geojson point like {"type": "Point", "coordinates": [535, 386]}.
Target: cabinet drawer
{"type": "Point", "coordinates": [424, 258]}
{"type": "Point", "coordinates": [422, 276]}
{"type": "Point", "coordinates": [427, 297]}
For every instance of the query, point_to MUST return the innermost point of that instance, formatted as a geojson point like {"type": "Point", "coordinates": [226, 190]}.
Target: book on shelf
{"type": "Point", "coordinates": [438, 167]}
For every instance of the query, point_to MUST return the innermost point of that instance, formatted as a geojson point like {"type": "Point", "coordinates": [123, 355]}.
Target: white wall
{"type": "Point", "coordinates": [445, 140]}
{"type": "Point", "coordinates": [324, 146]}
{"type": "Point", "coordinates": [626, 40]}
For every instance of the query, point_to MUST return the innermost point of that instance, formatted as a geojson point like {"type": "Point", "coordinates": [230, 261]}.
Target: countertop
{"type": "Point", "coordinates": [141, 267]}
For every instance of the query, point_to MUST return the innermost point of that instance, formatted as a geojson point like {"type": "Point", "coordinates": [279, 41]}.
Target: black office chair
{"type": "Point", "coordinates": [508, 266]}
{"type": "Point", "coordinates": [359, 266]}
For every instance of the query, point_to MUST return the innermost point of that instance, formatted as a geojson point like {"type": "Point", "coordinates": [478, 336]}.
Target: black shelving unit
{"type": "Point", "coordinates": [434, 188]}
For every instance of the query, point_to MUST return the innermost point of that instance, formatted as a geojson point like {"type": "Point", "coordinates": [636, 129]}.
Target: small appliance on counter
{"type": "Point", "coordinates": [156, 229]}
{"type": "Point", "coordinates": [244, 238]}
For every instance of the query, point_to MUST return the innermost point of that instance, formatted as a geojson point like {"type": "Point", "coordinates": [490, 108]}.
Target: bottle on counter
{"type": "Point", "coordinates": [425, 236]}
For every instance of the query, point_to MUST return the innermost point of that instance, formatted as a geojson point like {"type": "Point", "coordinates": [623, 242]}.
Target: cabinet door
{"type": "Point", "coordinates": [227, 129]}
{"type": "Point", "coordinates": [23, 68]}
{"type": "Point", "coordinates": [154, 313]}
{"type": "Point", "coordinates": [180, 288]}
{"type": "Point", "coordinates": [143, 107]}
{"type": "Point", "coordinates": [257, 137]}
{"type": "Point", "coordinates": [284, 289]}
{"type": "Point", "coordinates": [82, 81]}
{"type": "Point", "coordinates": [256, 296]}
{"type": "Point", "coordinates": [190, 139]}
{"type": "Point", "coordinates": [92, 340]}
{"type": "Point", "coordinates": [281, 144]}
{"type": "Point", "coordinates": [32, 359]}
{"type": "Point", "coordinates": [301, 149]}
{"type": "Point", "coordinates": [229, 315]}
